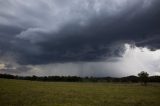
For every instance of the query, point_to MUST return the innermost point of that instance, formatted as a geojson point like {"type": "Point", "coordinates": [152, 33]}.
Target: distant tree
{"type": "Point", "coordinates": [143, 77]}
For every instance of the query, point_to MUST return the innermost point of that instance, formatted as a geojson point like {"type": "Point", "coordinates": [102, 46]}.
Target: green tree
{"type": "Point", "coordinates": [143, 77]}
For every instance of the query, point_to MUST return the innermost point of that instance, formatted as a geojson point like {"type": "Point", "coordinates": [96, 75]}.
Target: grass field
{"type": "Point", "coordinates": [32, 93]}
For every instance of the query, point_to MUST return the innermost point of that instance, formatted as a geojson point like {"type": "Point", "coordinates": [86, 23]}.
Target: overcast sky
{"type": "Point", "coordinates": [79, 37]}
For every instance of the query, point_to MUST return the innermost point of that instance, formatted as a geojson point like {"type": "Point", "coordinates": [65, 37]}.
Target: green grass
{"type": "Point", "coordinates": [33, 93]}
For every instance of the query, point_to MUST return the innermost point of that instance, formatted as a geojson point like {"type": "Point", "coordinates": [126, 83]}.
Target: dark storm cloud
{"type": "Point", "coordinates": [42, 32]}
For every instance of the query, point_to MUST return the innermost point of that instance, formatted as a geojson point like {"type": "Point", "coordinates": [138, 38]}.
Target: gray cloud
{"type": "Point", "coordinates": [51, 31]}
{"type": "Point", "coordinates": [133, 60]}
{"type": "Point", "coordinates": [14, 69]}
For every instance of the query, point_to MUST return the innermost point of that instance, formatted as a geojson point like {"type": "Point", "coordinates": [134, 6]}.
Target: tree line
{"type": "Point", "coordinates": [133, 79]}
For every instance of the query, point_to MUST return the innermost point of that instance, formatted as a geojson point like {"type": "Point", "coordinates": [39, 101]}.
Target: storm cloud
{"type": "Point", "coordinates": [56, 31]}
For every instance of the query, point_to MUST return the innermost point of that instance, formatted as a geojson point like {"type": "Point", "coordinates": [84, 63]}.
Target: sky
{"type": "Point", "coordinates": [79, 37]}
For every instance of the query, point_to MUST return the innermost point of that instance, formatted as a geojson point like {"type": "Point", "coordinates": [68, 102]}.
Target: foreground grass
{"type": "Point", "coordinates": [32, 93]}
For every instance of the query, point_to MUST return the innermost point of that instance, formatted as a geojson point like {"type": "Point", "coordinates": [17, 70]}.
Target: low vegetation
{"type": "Point", "coordinates": [37, 93]}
